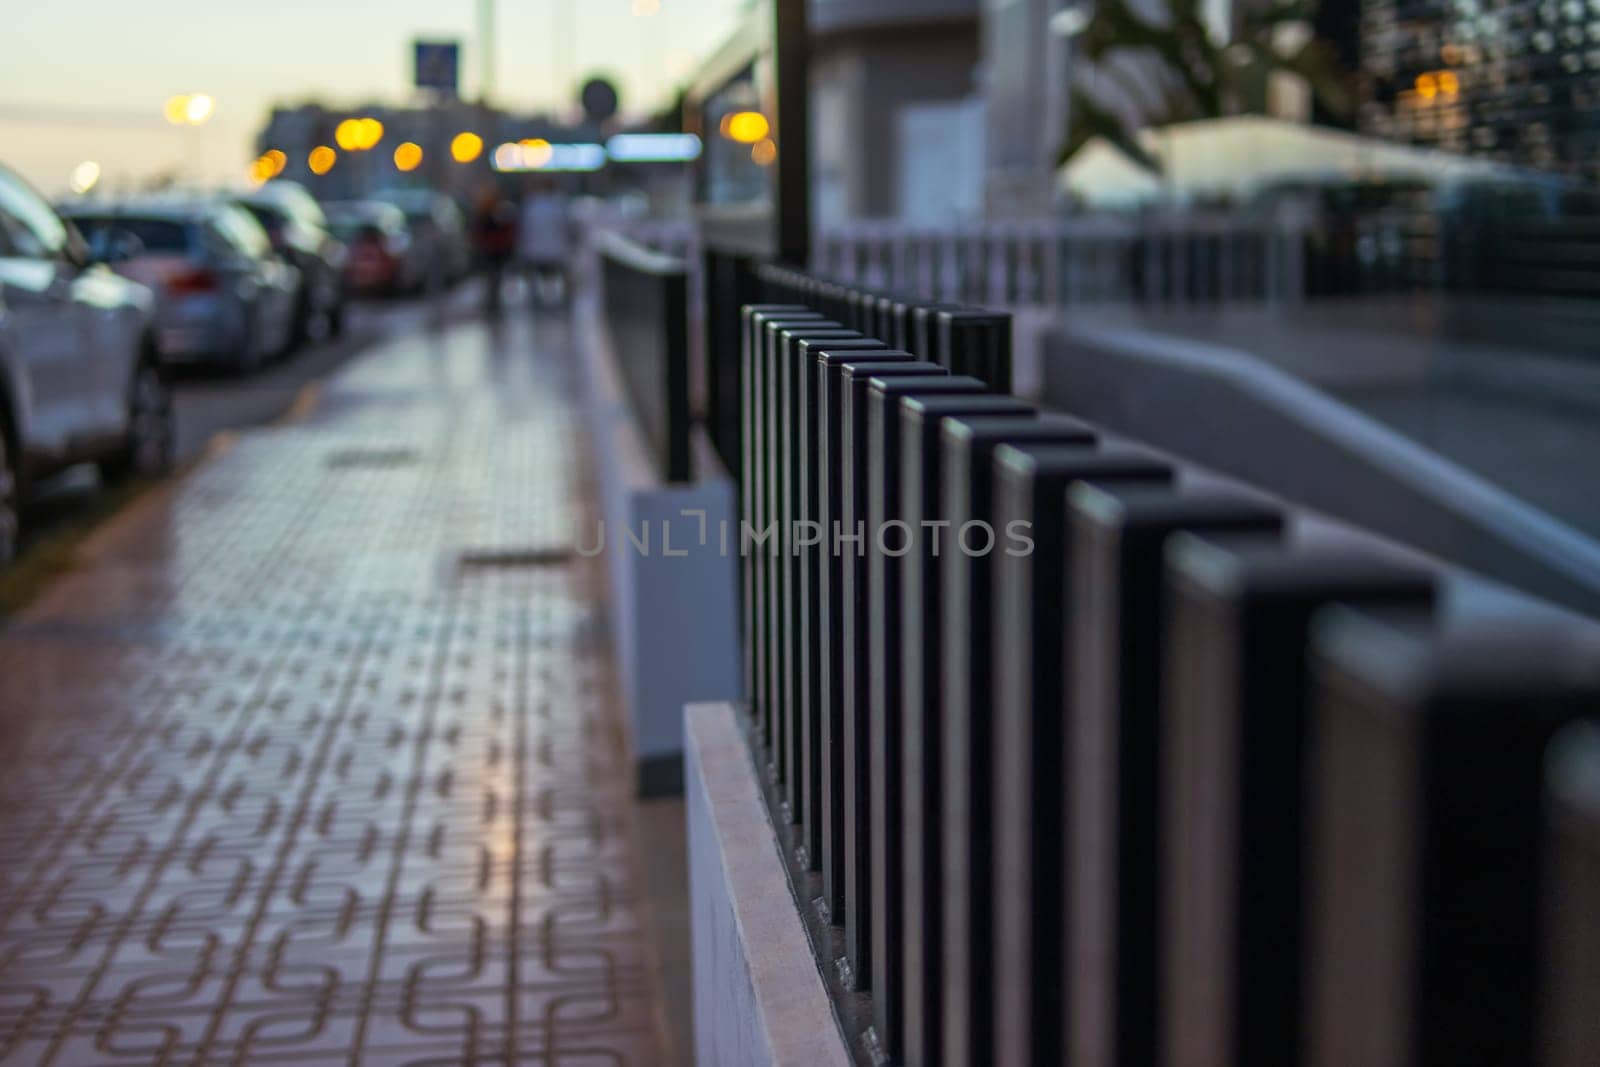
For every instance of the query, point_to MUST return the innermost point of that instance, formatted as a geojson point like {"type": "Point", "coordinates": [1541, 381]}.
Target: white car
{"type": "Point", "coordinates": [79, 375]}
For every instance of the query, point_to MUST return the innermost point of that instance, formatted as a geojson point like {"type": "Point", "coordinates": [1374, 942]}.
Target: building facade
{"type": "Point", "coordinates": [1515, 81]}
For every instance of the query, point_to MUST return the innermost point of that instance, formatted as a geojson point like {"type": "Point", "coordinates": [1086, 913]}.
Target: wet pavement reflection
{"type": "Point", "coordinates": [284, 779]}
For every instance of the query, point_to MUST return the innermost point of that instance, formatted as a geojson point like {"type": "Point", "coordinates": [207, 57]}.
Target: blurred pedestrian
{"type": "Point", "coordinates": [544, 244]}
{"type": "Point", "coordinates": [494, 239]}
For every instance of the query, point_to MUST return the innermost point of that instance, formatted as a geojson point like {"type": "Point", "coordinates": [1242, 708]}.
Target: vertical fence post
{"type": "Point", "coordinates": [965, 694]}
{"type": "Point", "coordinates": [753, 485]}
{"type": "Point", "coordinates": [1426, 797]}
{"type": "Point", "coordinates": [977, 343]}
{"type": "Point", "coordinates": [855, 689]}
{"type": "Point", "coordinates": [779, 336]}
{"type": "Point", "coordinates": [887, 629]}
{"type": "Point", "coordinates": [1569, 983]}
{"type": "Point", "coordinates": [831, 498]}
{"type": "Point", "coordinates": [1236, 759]}
{"type": "Point", "coordinates": [1030, 616]}
{"type": "Point", "coordinates": [1114, 734]}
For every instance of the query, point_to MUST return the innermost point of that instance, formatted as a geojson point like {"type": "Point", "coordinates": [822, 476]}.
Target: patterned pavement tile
{"type": "Point", "coordinates": [314, 760]}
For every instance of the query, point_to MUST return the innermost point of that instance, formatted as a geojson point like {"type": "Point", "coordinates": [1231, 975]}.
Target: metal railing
{"type": "Point", "coordinates": [646, 304]}
{"type": "Point", "coordinates": [1061, 262]}
{"type": "Point", "coordinates": [1188, 777]}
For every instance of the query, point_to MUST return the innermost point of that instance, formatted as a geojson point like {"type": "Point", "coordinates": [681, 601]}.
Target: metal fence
{"type": "Point", "coordinates": [1080, 755]}
{"type": "Point", "coordinates": [646, 312]}
{"type": "Point", "coordinates": [1062, 262]}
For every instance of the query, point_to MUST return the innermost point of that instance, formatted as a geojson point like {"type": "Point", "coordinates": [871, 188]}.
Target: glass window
{"type": "Point", "coordinates": [244, 231]}
{"type": "Point", "coordinates": [36, 231]}
{"type": "Point", "coordinates": [158, 236]}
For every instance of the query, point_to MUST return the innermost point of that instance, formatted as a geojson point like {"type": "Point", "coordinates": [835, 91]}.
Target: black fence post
{"type": "Point", "coordinates": [780, 456]}
{"type": "Point", "coordinates": [1114, 738]}
{"type": "Point", "coordinates": [809, 562]}
{"type": "Point", "coordinates": [922, 661]}
{"type": "Point", "coordinates": [1030, 616]}
{"type": "Point", "coordinates": [855, 688]}
{"type": "Point", "coordinates": [761, 549]}
{"type": "Point", "coordinates": [752, 316]}
{"type": "Point", "coordinates": [830, 497]}
{"type": "Point", "coordinates": [1569, 984]}
{"type": "Point", "coordinates": [1426, 803]}
{"type": "Point", "coordinates": [1240, 616]}
{"type": "Point", "coordinates": [885, 633]}
{"type": "Point", "coordinates": [965, 695]}
{"type": "Point", "coordinates": [977, 343]}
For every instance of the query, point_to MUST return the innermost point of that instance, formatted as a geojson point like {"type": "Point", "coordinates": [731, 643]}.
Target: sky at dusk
{"type": "Point", "coordinates": [87, 80]}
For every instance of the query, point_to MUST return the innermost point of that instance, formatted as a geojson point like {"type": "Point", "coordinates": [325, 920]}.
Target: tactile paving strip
{"type": "Point", "coordinates": [282, 782]}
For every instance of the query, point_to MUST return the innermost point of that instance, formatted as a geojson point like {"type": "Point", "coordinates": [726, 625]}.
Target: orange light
{"type": "Point", "coordinates": [321, 159]}
{"type": "Point", "coordinates": [275, 161]}
{"type": "Point", "coordinates": [1449, 84]}
{"type": "Point", "coordinates": [1427, 86]}
{"type": "Point", "coordinates": [466, 146]}
{"type": "Point", "coordinates": [746, 127]}
{"type": "Point", "coordinates": [347, 135]}
{"type": "Point", "coordinates": [408, 156]}
{"type": "Point", "coordinates": [764, 152]}
{"type": "Point", "coordinates": [368, 133]}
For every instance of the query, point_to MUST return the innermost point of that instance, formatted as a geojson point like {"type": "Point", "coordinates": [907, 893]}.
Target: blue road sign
{"type": "Point", "coordinates": [437, 65]}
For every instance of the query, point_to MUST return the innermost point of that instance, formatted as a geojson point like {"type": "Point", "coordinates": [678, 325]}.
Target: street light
{"type": "Point", "coordinates": [189, 109]}
{"type": "Point", "coordinates": [321, 159]}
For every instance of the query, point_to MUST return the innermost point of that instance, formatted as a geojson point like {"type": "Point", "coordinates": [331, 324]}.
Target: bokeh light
{"type": "Point", "coordinates": [764, 152]}
{"type": "Point", "coordinates": [347, 135]}
{"type": "Point", "coordinates": [746, 127]}
{"type": "Point", "coordinates": [408, 156]}
{"type": "Point", "coordinates": [536, 153]}
{"type": "Point", "coordinates": [321, 159]}
{"type": "Point", "coordinates": [85, 176]}
{"type": "Point", "coordinates": [466, 146]}
{"type": "Point", "coordinates": [189, 109]}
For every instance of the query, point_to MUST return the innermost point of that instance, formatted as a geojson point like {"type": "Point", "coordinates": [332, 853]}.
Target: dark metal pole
{"type": "Point", "coordinates": [791, 194]}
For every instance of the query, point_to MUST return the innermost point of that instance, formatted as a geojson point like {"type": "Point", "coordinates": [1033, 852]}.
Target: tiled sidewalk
{"type": "Point", "coordinates": [315, 760]}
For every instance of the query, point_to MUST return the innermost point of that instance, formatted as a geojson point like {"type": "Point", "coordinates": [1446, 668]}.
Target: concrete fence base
{"type": "Point", "coordinates": [758, 996]}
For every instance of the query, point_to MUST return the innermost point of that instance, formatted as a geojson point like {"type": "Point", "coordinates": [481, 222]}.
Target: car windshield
{"type": "Point", "coordinates": [244, 231]}
{"type": "Point", "coordinates": [158, 236]}
{"type": "Point", "coordinates": [270, 218]}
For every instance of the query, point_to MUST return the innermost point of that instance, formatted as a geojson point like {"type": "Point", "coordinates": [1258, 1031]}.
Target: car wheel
{"type": "Point", "coordinates": [10, 503]}
{"type": "Point", "coordinates": [150, 447]}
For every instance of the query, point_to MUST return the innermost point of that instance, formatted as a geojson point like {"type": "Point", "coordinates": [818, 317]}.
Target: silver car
{"type": "Point", "coordinates": [79, 375]}
{"type": "Point", "coordinates": [223, 296]}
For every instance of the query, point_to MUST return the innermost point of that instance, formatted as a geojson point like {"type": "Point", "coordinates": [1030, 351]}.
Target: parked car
{"type": "Point", "coordinates": [222, 295]}
{"type": "Point", "coordinates": [299, 232]}
{"type": "Point", "coordinates": [383, 258]}
{"type": "Point", "coordinates": [79, 375]}
{"type": "Point", "coordinates": [438, 225]}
